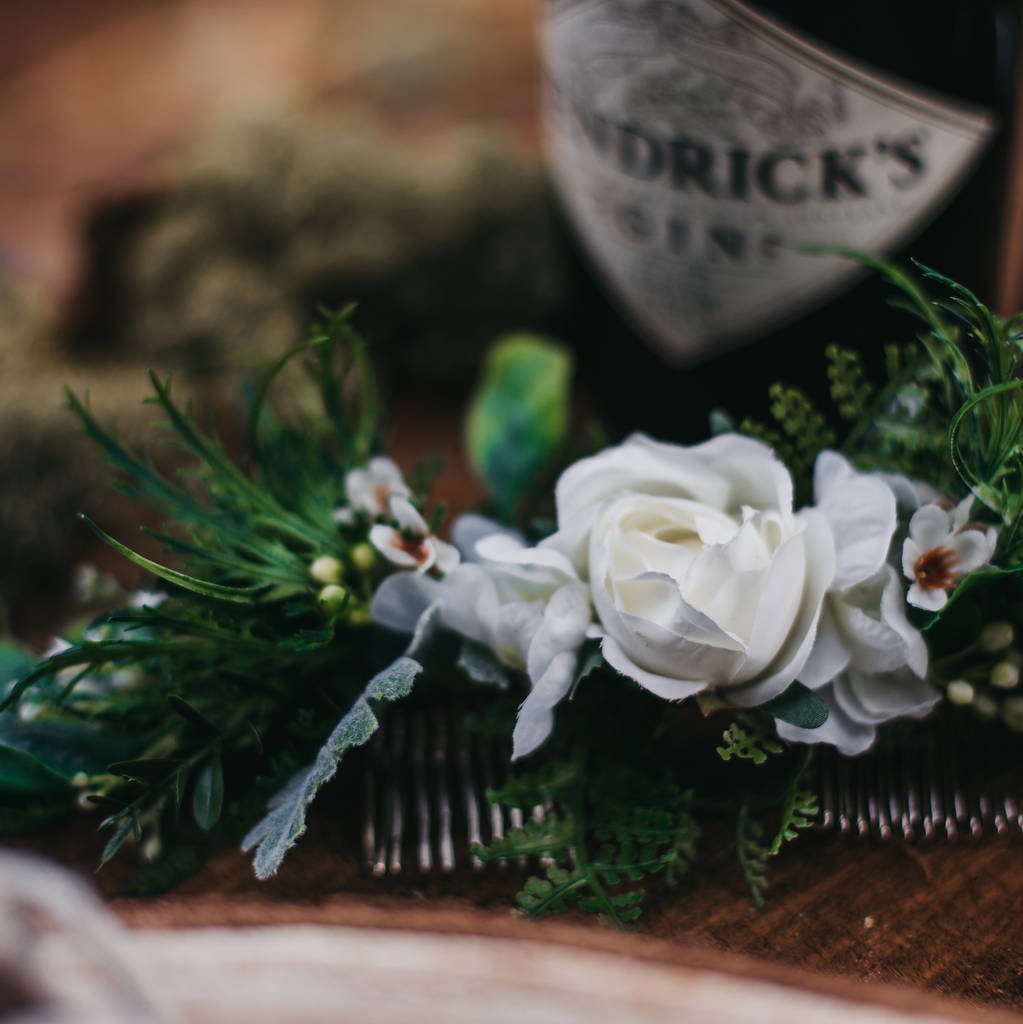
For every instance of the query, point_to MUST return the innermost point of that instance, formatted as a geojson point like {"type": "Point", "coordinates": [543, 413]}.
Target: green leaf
{"type": "Point", "coordinates": [239, 595]}
{"type": "Point", "coordinates": [798, 706]}
{"type": "Point", "coordinates": [14, 663]}
{"type": "Point", "coordinates": [122, 831]}
{"type": "Point", "coordinates": [280, 829]}
{"type": "Point", "coordinates": [190, 714]}
{"type": "Point", "coordinates": [65, 748]}
{"type": "Point", "coordinates": [22, 773]}
{"type": "Point", "coordinates": [519, 415]}
{"type": "Point", "coordinates": [208, 794]}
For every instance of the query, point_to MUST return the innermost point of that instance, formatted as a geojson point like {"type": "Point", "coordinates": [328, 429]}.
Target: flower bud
{"type": "Point", "coordinates": [1004, 675]}
{"type": "Point", "coordinates": [959, 691]}
{"type": "Point", "coordinates": [326, 569]}
{"type": "Point", "coordinates": [995, 637]}
{"type": "Point", "coordinates": [1012, 713]}
{"type": "Point", "coordinates": [363, 557]}
{"type": "Point", "coordinates": [151, 849]}
{"type": "Point", "coordinates": [359, 617]}
{"type": "Point", "coordinates": [332, 598]}
{"type": "Point", "coordinates": [984, 706]}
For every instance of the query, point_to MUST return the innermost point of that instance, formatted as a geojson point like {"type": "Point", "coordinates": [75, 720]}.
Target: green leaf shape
{"type": "Point", "coordinates": [240, 595]}
{"type": "Point", "coordinates": [281, 828]}
{"type": "Point", "coordinates": [59, 749]}
{"type": "Point", "coordinates": [21, 773]}
{"type": "Point", "coordinates": [208, 793]}
{"type": "Point", "coordinates": [752, 854]}
{"type": "Point", "coordinates": [798, 706]}
{"type": "Point", "coordinates": [519, 415]}
{"type": "Point", "coordinates": [15, 662]}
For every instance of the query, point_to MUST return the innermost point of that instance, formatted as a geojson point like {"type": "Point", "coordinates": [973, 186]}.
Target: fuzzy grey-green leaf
{"type": "Point", "coordinates": [285, 820]}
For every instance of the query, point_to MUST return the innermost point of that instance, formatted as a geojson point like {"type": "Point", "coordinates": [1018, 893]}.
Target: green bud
{"type": "Point", "coordinates": [984, 706]}
{"type": "Point", "coordinates": [1005, 676]}
{"type": "Point", "coordinates": [359, 617]}
{"type": "Point", "coordinates": [1012, 713]}
{"type": "Point", "coordinates": [363, 557]}
{"type": "Point", "coordinates": [959, 691]}
{"type": "Point", "coordinates": [332, 598]}
{"type": "Point", "coordinates": [327, 569]}
{"type": "Point", "coordinates": [995, 637]}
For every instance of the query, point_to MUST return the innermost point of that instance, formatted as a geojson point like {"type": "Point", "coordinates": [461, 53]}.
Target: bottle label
{"type": "Point", "coordinates": [701, 149]}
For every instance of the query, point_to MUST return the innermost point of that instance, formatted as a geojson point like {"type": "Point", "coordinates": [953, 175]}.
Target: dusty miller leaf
{"type": "Point", "coordinates": [481, 666]}
{"type": "Point", "coordinates": [286, 821]}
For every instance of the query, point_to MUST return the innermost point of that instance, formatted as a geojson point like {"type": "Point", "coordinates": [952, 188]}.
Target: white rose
{"type": "Point", "coordinates": [868, 664]}
{"type": "Point", "coordinates": [701, 574]}
{"type": "Point", "coordinates": [525, 605]}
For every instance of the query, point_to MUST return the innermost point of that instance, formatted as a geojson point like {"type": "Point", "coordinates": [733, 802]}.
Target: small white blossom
{"type": "Point", "coordinates": [411, 545]}
{"type": "Point", "coordinates": [942, 548]}
{"type": "Point", "coordinates": [369, 490]}
{"type": "Point", "coordinates": [147, 599]}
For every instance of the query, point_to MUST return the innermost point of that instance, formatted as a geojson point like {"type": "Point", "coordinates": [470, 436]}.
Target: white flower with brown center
{"type": "Point", "coordinates": [370, 489]}
{"type": "Point", "coordinates": [942, 548]}
{"type": "Point", "coordinates": [410, 545]}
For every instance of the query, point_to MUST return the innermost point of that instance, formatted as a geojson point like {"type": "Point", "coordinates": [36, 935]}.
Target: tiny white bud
{"type": "Point", "coordinates": [363, 557]}
{"type": "Point", "coordinates": [327, 569]}
{"type": "Point", "coordinates": [959, 691]}
{"type": "Point", "coordinates": [332, 597]}
{"type": "Point", "coordinates": [868, 922]}
{"type": "Point", "coordinates": [984, 706]}
{"type": "Point", "coordinates": [995, 637]}
{"type": "Point", "coordinates": [1012, 713]}
{"type": "Point", "coordinates": [1004, 675]}
{"type": "Point", "coordinates": [151, 849]}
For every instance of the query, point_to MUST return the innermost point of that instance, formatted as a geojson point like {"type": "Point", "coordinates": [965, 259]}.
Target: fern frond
{"type": "Point", "coordinates": [747, 744]}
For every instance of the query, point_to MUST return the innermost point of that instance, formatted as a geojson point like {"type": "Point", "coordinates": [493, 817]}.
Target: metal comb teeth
{"type": "Point", "coordinates": [954, 783]}
{"type": "Point", "coordinates": [426, 782]}
{"type": "Point", "coordinates": [427, 777]}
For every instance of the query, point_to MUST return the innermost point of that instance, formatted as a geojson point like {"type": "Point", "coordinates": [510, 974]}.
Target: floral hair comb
{"type": "Point", "coordinates": [677, 643]}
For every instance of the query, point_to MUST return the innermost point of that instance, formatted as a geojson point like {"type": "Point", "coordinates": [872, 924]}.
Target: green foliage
{"type": "Point", "coordinates": [518, 418]}
{"type": "Point", "coordinates": [752, 854]}
{"type": "Point", "coordinates": [850, 390]}
{"type": "Point", "coordinates": [165, 715]}
{"type": "Point", "coordinates": [798, 812]}
{"type": "Point", "coordinates": [272, 837]}
{"type": "Point", "coordinates": [956, 420]}
{"type": "Point", "coordinates": [603, 836]}
{"type": "Point", "coordinates": [748, 740]}
{"type": "Point", "coordinates": [798, 706]}
{"type": "Point", "coordinates": [800, 432]}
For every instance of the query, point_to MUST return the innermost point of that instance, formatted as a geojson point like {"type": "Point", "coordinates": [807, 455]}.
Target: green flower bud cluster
{"type": "Point", "coordinates": [987, 685]}
{"type": "Point", "coordinates": [342, 583]}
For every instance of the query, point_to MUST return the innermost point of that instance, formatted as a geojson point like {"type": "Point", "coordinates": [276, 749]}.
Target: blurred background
{"type": "Point", "coordinates": [183, 182]}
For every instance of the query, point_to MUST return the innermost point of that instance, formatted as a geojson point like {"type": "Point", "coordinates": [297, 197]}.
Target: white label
{"type": "Point", "coordinates": [699, 147]}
